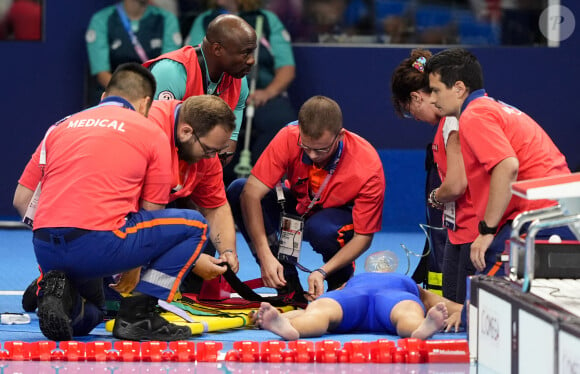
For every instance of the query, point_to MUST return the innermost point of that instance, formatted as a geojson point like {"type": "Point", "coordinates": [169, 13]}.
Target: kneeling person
{"type": "Point", "coordinates": [336, 188]}
{"type": "Point", "coordinates": [101, 212]}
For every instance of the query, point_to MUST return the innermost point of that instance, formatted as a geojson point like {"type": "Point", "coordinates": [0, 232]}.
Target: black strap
{"type": "Point", "coordinates": [202, 66]}
{"type": "Point", "coordinates": [248, 294]}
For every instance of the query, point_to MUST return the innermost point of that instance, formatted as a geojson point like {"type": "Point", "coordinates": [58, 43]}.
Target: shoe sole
{"type": "Point", "coordinates": [53, 320]}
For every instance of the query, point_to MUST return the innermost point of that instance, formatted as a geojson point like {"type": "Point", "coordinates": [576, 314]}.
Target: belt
{"type": "Point", "coordinates": [46, 236]}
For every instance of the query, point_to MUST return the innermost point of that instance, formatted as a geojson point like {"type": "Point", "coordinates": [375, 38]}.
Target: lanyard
{"type": "Point", "coordinates": [127, 24]}
{"type": "Point", "coordinates": [116, 101]}
{"type": "Point", "coordinates": [42, 157]}
{"type": "Point", "coordinates": [30, 212]}
{"type": "Point", "coordinates": [205, 74]}
{"type": "Point", "coordinates": [331, 170]}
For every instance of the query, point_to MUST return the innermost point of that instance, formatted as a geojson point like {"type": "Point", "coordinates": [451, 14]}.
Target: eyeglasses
{"type": "Point", "coordinates": [318, 150]}
{"type": "Point", "coordinates": [207, 151]}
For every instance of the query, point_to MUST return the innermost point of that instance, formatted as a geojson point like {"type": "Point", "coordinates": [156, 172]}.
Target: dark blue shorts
{"type": "Point", "coordinates": [368, 299]}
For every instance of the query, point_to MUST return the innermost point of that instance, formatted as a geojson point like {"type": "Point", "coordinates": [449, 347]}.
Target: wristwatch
{"type": "Point", "coordinates": [484, 229]}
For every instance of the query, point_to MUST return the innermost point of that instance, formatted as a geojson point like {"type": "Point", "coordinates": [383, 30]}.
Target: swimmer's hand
{"type": "Point", "coordinates": [453, 322]}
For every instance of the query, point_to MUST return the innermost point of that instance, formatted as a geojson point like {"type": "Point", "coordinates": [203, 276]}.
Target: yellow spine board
{"type": "Point", "coordinates": [227, 319]}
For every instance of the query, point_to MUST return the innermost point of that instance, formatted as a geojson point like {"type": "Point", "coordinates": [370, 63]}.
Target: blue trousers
{"type": "Point", "coordinates": [327, 230]}
{"type": "Point", "coordinates": [457, 266]}
{"type": "Point", "coordinates": [165, 243]}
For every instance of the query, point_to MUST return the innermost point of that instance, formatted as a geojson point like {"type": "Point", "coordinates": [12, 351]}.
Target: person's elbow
{"type": "Point", "coordinates": [248, 196]}
{"type": "Point", "coordinates": [508, 167]}
{"type": "Point", "coordinates": [22, 197]}
{"type": "Point", "coordinates": [457, 189]}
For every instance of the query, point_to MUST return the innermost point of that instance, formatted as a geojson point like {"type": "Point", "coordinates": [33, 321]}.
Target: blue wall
{"type": "Point", "coordinates": [44, 81]}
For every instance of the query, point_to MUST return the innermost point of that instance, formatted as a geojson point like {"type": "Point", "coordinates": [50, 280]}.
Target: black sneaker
{"type": "Point", "coordinates": [139, 319]}
{"type": "Point", "coordinates": [55, 303]}
{"type": "Point", "coordinates": [29, 297]}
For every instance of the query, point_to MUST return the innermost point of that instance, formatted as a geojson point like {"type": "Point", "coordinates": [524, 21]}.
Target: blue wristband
{"type": "Point", "coordinates": [322, 272]}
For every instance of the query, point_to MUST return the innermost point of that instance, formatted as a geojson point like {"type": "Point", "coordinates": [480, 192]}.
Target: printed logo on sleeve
{"type": "Point", "coordinates": [166, 95]}
{"type": "Point", "coordinates": [177, 39]}
{"type": "Point", "coordinates": [90, 36]}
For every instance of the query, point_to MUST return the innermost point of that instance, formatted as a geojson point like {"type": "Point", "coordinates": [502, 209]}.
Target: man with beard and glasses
{"type": "Point", "coordinates": [218, 66]}
{"type": "Point", "coordinates": [198, 130]}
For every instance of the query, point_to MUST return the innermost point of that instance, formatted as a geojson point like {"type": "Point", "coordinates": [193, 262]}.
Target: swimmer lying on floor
{"type": "Point", "coordinates": [388, 303]}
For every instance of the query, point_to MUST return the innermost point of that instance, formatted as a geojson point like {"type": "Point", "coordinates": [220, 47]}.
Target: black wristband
{"type": "Point", "coordinates": [484, 229]}
{"type": "Point", "coordinates": [322, 272]}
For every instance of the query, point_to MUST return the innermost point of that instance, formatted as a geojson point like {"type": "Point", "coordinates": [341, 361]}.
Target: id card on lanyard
{"type": "Point", "coordinates": [449, 215]}
{"type": "Point", "coordinates": [291, 226]}
{"type": "Point", "coordinates": [291, 229]}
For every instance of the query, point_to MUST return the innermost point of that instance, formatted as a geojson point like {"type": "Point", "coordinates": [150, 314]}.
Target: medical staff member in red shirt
{"type": "Point", "coordinates": [410, 87]}
{"type": "Point", "coordinates": [218, 66]}
{"type": "Point", "coordinates": [198, 129]}
{"type": "Point", "coordinates": [500, 145]}
{"type": "Point", "coordinates": [106, 174]}
{"type": "Point", "coordinates": [333, 198]}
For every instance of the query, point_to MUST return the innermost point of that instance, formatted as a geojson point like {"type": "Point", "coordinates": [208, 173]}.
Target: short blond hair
{"type": "Point", "coordinates": [319, 114]}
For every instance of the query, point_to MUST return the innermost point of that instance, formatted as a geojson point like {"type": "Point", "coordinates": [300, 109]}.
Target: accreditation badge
{"type": "Point", "coordinates": [449, 215]}
{"type": "Point", "coordinates": [291, 229]}
{"type": "Point", "coordinates": [32, 205]}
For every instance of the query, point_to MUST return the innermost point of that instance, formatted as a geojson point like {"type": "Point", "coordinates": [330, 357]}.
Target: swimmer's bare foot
{"type": "Point", "coordinates": [434, 322]}
{"type": "Point", "coordinates": [270, 319]}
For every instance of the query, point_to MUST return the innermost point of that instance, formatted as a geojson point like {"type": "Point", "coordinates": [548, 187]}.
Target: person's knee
{"type": "Point", "coordinates": [235, 188]}
{"type": "Point", "coordinates": [320, 236]}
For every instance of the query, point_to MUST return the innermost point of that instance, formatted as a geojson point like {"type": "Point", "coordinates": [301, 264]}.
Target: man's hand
{"type": "Point", "coordinates": [272, 272]}
{"type": "Point", "coordinates": [478, 249]}
{"type": "Point", "coordinates": [315, 285]}
{"type": "Point", "coordinates": [259, 98]}
{"type": "Point", "coordinates": [207, 267]}
{"type": "Point", "coordinates": [231, 258]}
{"type": "Point", "coordinates": [127, 281]}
